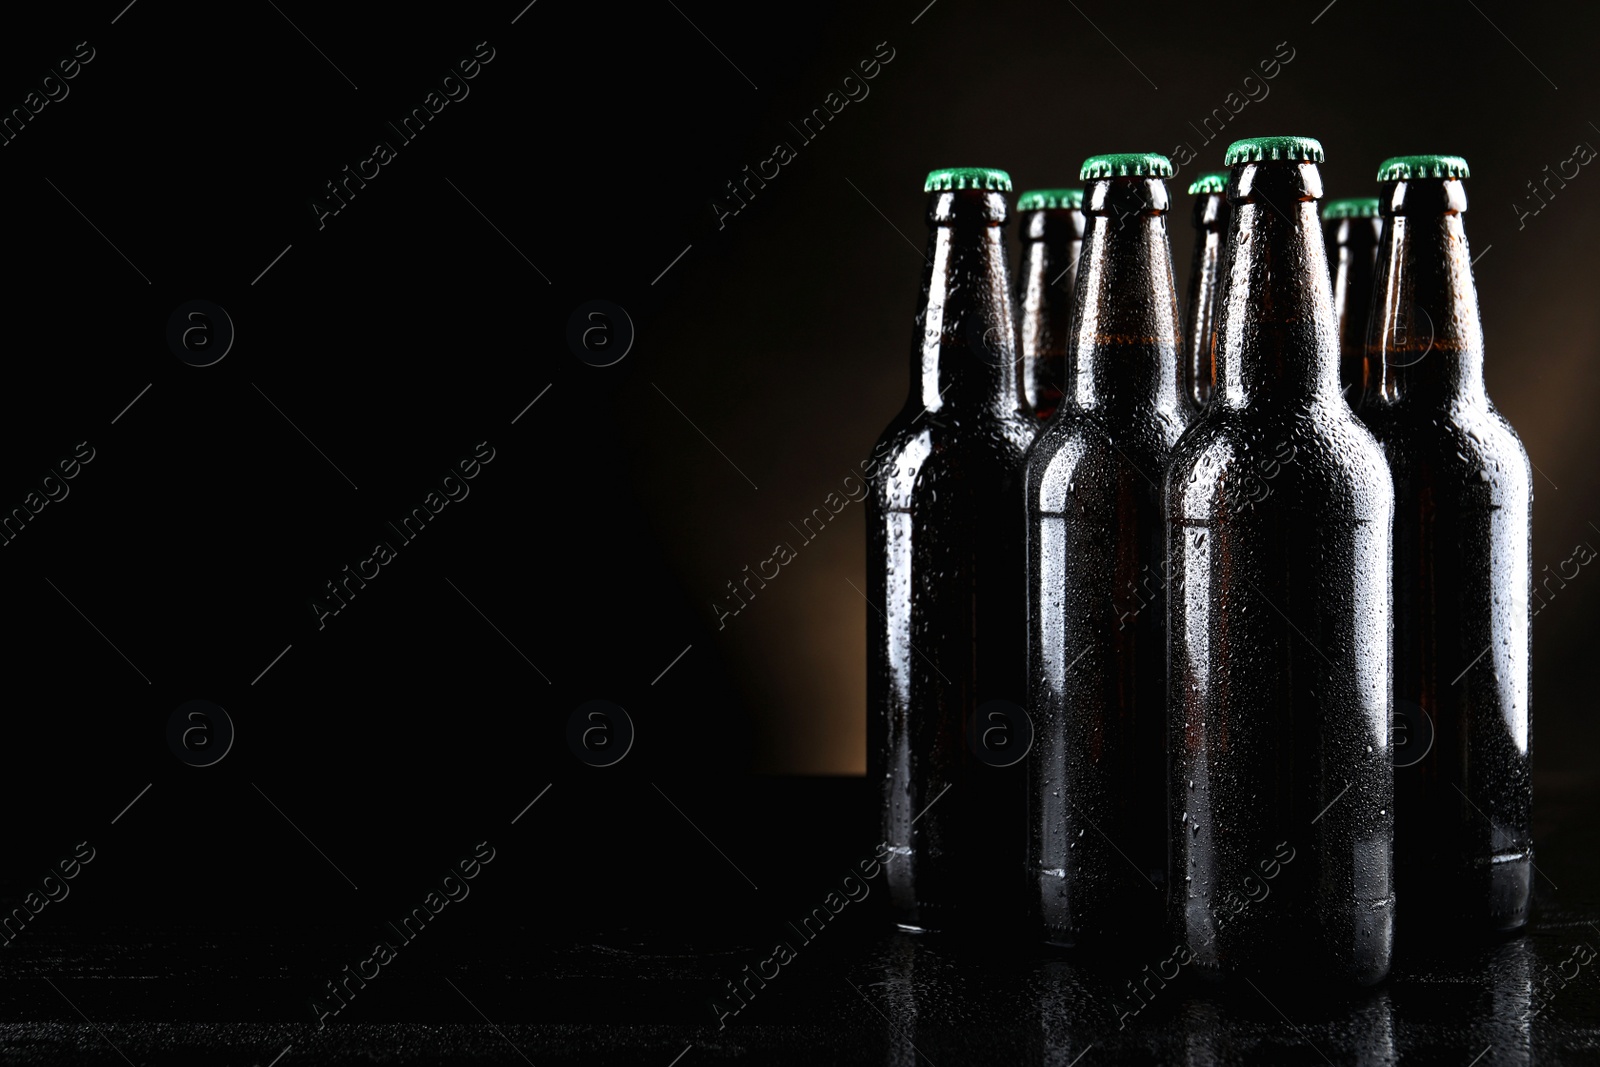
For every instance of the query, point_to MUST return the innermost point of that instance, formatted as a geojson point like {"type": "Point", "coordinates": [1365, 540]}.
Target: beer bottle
{"type": "Point", "coordinates": [1352, 227]}
{"type": "Point", "coordinates": [1051, 226]}
{"type": "Point", "coordinates": [1205, 284]}
{"type": "Point", "coordinates": [946, 610]}
{"type": "Point", "coordinates": [1462, 566]}
{"type": "Point", "coordinates": [1280, 505]}
{"type": "Point", "coordinates": [1096, 585]}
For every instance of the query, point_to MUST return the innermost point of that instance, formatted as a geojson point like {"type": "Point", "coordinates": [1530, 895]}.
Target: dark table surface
{"type": "Point", "coordinates": [612, 921]}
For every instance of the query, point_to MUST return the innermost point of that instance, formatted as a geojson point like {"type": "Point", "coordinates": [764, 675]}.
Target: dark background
{"type": "Point", "coordinates": [415, 324]}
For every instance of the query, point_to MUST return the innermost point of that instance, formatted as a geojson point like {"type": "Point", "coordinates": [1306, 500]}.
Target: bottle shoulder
{"type": "Point", "coordinates": [1078, 442]}
{"type": "Point", "coordinates": [982, 451]}
{"type": "Point", "coordinates": [1469, 446]}
{"type": "Point", "coordinates": [1327, 425]}
{"type": "Point", "coordinates": [946, 428]}
{"type": "Point", "coordinates": [1307, 458]}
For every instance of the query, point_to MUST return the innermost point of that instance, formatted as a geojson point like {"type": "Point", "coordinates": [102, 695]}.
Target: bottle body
{"type": "Point", "coordinates": [1051, 241]}
{"type": "Point", "coordinates": [1463, 578]}
{"type": "Point", "coordinates": [945, 620]}
{"type": "Point", "coordinates": [1280, 509]}
{"type": "Point", "coordinates": [1097, 585]}
{"type": "Point", "coordinates": [1281, 792]}
{"type": "Point", "coordinates": [1463, 636]}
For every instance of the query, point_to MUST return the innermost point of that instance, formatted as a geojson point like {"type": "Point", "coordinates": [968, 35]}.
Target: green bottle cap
{"type": "Point", "coordinates": [1263, 149]}
{"type": "Point", "coordinates": [1126, 165]}
{"type": "Point", "coordinates": [1365, 207]}
{"type": "Point", "coordinates": [948, 178]}
{"type": "Point", "coordinates": [1406, 168]}
{"type": "Point", "coordinates": [1209, 184]}
{"type": "Point", "coordinates": [1042, 199]}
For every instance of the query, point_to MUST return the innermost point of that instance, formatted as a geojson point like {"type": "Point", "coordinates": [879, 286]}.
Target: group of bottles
{"type": "Point", "coordinates": [1261, 581]}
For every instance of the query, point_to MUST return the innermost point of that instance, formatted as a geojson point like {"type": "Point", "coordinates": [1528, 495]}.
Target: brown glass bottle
{"type": "Point", "coordinates": [1281, 790]}
{"type": "Point", "coordinates": [1206, 271]}
{"type": "Point", "coordinates": [1351, 228]}
{"type": "Point", "coordinates": [1051, 226]}
{"type": "Point", "coordinates": [1096, 586]}
{"type": "Point", "coordinates": [1462, 569]}
{"type": "Point", "coordinates": [944, 580]}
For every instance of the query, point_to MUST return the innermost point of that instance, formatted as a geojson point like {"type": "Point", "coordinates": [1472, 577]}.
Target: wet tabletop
{"type": "Point", "coordinates": [569, 954]}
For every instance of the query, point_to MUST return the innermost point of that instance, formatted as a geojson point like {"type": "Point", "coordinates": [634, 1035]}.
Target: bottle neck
{"type": "Point", "coordinates": [1425, 341]}
{"type": "Point", "coordinates": [1205, 279]}
{"type": "Point", "coordinates": [1276, 334]}
{"type": "Point", "coordinates": [1126, 332]}
{"type": "Point", "coordinates": [964, 354]}
{"type": "Point", "coordinates": [1357, 242]}
{"type": "Point", "coordinates": [1051, 241]}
